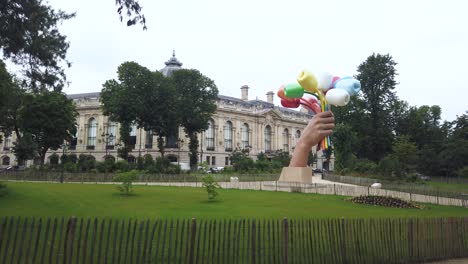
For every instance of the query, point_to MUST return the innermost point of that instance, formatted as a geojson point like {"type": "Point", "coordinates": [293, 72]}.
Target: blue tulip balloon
{"type": "Point", "coordinates": [349, 84]}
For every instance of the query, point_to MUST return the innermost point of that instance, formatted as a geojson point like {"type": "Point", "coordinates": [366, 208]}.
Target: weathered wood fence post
{"type": "Point", "coordinates": [285, 241]}
{"type": "Point", "coordinates": [193, 231]}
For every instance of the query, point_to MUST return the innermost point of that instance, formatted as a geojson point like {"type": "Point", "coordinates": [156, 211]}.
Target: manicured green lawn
{"type": "Point", "coordinates": [449, 187]}
{"type": "Point", "coordinates": [89, 200]}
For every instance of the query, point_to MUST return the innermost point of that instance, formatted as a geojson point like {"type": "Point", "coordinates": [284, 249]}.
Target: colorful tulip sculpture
{"type": "Point", "coordinates": [318, 93]}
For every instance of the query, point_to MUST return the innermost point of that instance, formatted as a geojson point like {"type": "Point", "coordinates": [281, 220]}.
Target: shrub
{"type": "Point", "coordinates": [122, 165]}
{"type": "Point", "coordinates": [86, 162]}
{"type": "Point", "coordinates": [160, 165]}
{"type": "Point", "coordinates": [365, 166]}
{"type": "Point", "coordinates": [148, 160]}
{"type": "Point", "coordinates": [54, 159]}
{"type": "Point", "coordinates": [241, 162]}
{"type": "Point", "coordinates": [211, 185]}
{"type": "Point", "coordinates": [3, 189]}
{"type": "Point", "coordinates": [72, 158]}
{"type": "Point", "coordinates": [70, 167]}
{"type": "Point", "coordinates": [463, 172]}
{"type": "Point", "coordinates": [127, 179]}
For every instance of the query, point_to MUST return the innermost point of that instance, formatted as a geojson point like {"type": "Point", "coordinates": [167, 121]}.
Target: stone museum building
{"type": "Point", "coordinates": [239, 123]}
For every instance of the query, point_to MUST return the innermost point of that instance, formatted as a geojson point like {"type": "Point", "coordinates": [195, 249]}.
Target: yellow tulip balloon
{"type": "Point", "coordinates": [308, 81]}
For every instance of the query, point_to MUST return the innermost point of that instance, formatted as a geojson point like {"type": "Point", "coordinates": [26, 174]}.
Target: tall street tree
{"type": "Point", "coordinates": [158, 109]}
{"type": "Point", "coordinates": [11, 96]}
{"type": "Point", "coordinates": [197, 95]}
{"type": "Point", "coordinates": [377, 77]}
{"type": "Point", "coordinates": [30, 39]}
{"type": "Point", "coordinates": [120, 100]}
{"type": "Point", "coordinates": [49, 118]}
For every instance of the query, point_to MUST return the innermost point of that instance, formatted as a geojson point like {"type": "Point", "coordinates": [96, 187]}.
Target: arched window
{"type": "Point", "coordinates": [6, 161]}
{"type": "Point", "coordinates": [267, 139]}
{"type": "Point", "coordinates": [228, 136]}
{"type": "Point", "coordinates": [286, 140]}
{"type": "Point", "coordinates": [112, 131]}
{"type": "Point", "coordinates": [149, 139]}
{"type": "Point", "coordinates": [92, 127]}
{"type": "Point", "coordinates": [298, 134]}
{"type": "Point", "coordinates": [245, 136]}
{"type": "Point", "coordinates": [210, 136]}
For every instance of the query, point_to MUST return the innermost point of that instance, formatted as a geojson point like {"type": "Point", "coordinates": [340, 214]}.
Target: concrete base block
{"type": "Point", "coordinates": [296, 174]}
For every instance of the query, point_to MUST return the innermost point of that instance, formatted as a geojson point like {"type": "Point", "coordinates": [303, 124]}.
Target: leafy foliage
{"type": "Point", "coordinates": [127, 179]}
{"type": "Point", "coordinates": [25, 148]}
{"type": "Point", "coordinates": [210, 185]}
{"type": "Point", "coordinates": [132, 9]}
{"type": "Point", "coordinates": [198, 94]}
{"type": "Point", "coordinates": [49, 117]}
{"type": "Point", "coordinates": [30, 38]}
{"type": "Point", "coordinates": [86, 162]}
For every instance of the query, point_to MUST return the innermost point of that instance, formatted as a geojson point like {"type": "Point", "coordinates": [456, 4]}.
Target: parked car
{"type": "Point", "coordinates": [215, 169]}
{"type": "Point", "coordinates": [15, 168]}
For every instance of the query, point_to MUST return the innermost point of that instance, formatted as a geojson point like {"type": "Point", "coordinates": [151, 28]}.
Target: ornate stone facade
{"type": "Point", "coordinates": [254, 125]}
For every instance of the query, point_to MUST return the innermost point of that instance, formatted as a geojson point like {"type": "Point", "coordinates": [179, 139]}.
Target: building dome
{"type": "Point", "coordinates": [173, 64]}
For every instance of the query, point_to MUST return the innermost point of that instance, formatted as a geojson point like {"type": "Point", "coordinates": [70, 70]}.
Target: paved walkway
{"type": "Point", "coordinates": [450, 261]}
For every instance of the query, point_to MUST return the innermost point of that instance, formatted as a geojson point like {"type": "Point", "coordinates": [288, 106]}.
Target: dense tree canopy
{"type": "Point", "coordinates": [30, 38]}
{"type": "Point", "coordinates": [50, 118]}
{"type": "Point", "coordinates": [197, 95]}
{"type": "Point", "coordinates": [391, 137]}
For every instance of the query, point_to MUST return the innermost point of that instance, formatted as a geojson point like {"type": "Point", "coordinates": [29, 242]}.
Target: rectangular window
{"type": "Point", "coordinates": [149, 139]}
{"type": "Point", "coordinates": [7, 143]}
{"type": "Point", "coordinates": [245, 137]}
{"type": "Point", "coordinates": [226, 161]}
{"type": "Point", "coordinates": [208, 160]}
{"type": "Point", "coordinates": [213, 160]}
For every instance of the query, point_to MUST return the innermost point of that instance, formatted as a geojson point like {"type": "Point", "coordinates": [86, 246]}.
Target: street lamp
{"type": "Point", "coordinates": [180, 143]}
{"type": "Point", "coordinates": [107, 138]}
{"type": "Point", "coordinates": [63, 146]}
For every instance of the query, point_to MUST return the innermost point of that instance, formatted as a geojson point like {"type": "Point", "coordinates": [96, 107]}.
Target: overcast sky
{"type": "Point", "coordinates": [267, 43]}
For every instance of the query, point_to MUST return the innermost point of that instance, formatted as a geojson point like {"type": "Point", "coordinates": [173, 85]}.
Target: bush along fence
{"type": "Point", "coordinates": [143, 177]}
{"type": "Point", "coordinates": [73, 240]}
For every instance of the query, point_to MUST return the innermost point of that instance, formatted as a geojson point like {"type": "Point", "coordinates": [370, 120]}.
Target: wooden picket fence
{"type": "Point", "coordinates": [73, 240]}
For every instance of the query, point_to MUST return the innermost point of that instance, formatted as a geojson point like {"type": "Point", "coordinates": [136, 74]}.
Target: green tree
{"type": "Point", "coordinates": [25, 148]}
{"type": "Point", "coordinates": [145, 98]}
{"type": "Point", "coordinates": [120, 100]}
{"type": "Point", "coordinates": [11, 97]}
{"type": "Point", "coordinates": [344, 141]}
{"type": "Point", "coordinates": [454, 155]}
{"type": "Point", "coordinates": [31, 39]}
{"type": "Point", "coordinates": [197, 95]}
{"type": "Point", "coordinates": [158, 110]}
{"type": "Point", "coordinates": [49, 117]}
{"type": "Point", "coordinates": [210, 185]}
{"type": "Point", "coordinates": [127, 179]}
{"type": "Point", "coordinates": [377, 77]}
{"type": "Point", "coordinates": [405, 153]}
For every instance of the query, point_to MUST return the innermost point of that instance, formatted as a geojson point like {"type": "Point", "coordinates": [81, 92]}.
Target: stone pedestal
{"type": "Point", "coordinates": [296, 174]}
